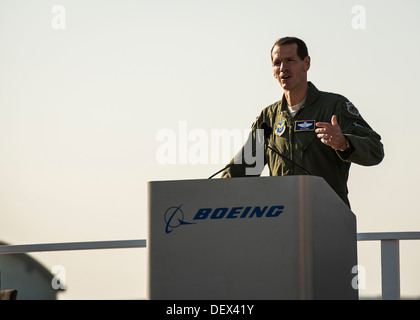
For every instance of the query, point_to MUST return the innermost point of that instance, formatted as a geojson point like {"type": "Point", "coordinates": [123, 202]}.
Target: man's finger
{"type": "Point", "coordinates": [324, 124]}
{"type": "Point", "coordinates": [334, 121]}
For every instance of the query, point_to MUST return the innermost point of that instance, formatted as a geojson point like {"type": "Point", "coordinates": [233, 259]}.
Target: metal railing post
{"type": "Point", "coordinates": [390, 264]}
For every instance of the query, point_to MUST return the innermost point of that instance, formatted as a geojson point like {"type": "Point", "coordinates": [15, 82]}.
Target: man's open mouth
{"type": "Point", "coordinates": [285, 76]}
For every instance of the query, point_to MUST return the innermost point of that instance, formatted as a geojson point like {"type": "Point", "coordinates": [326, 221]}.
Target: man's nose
{"type": "Point", "coordinates": [283, 67]}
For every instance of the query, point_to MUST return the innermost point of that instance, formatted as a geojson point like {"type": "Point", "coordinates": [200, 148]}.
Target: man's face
{"type": "Point", "coordinates": [288, 68]}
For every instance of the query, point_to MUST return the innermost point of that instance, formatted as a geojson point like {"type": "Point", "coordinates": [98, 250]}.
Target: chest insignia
{"type": "Point", "coordinates": [280, 128]}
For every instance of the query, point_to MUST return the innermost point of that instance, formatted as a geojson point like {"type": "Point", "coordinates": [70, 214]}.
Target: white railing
{"type": "Point", "coordinates": [390, 259]}
{"type": "Point", "coordinates": [390, 253]}
{"type": "Point", "coordinates": [117, 244]}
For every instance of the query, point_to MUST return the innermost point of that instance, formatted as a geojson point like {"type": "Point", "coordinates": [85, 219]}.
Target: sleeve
{"type": "Point", "coordinates": [366, 147]}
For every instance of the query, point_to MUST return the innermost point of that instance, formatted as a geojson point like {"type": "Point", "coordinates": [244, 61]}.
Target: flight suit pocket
{"type": "Point", "coordinates": [304, 140]}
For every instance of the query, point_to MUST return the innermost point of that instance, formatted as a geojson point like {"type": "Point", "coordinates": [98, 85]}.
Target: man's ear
{"type": "Point", "coordinates": [307, 63]}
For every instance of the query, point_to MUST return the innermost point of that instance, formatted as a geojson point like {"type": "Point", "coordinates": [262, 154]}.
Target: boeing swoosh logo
{"type": "Point", "coordinates": [174, 217]}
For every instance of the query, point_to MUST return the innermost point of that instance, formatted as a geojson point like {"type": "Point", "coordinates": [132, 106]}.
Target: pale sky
{"type": "Point", "coordinates": [81, 109]}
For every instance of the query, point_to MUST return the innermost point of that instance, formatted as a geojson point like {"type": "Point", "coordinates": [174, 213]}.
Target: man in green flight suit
{"type": "Point", "coordinates": [310, 131]}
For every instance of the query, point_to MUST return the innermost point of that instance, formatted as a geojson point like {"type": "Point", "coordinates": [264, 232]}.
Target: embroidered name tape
{"type": "Point", "coordinates": [305, 125]}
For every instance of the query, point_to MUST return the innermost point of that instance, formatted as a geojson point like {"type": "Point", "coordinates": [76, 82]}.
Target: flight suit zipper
{"type": "Point", "coordinates": [292, 124]}
{"type": "Point", "coordinates": [292, 137]}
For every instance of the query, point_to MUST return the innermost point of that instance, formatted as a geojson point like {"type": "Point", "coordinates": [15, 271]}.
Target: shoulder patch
{"type": "Point", "coordinates": [352, 109]}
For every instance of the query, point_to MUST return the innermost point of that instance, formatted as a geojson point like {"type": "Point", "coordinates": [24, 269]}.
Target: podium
{"type": "Point", "coordinates": [254, 238]}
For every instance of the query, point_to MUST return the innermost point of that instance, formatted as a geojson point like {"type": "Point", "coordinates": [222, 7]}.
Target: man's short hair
{"type": "Point", "coordinates": [302, 50]}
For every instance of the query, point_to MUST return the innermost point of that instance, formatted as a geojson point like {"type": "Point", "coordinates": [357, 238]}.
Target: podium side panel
{"type": "Point", "coordinates": [334, 244]}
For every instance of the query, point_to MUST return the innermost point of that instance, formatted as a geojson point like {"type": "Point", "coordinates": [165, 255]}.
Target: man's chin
{"type": "Point", "coordinates": [286, 86]}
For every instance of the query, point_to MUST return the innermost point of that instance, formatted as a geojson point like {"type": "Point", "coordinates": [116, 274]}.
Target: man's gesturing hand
{"type": "Point", "coordinates": [331, 135]}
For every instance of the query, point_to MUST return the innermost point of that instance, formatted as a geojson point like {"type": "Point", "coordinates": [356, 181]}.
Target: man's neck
{"type": "Point", "coordinates": [296, 96]}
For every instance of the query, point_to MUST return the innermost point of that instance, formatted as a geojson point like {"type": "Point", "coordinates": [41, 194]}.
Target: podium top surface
{"type": "Point", "coordinates": [246, 179]}
{"type": "Point", "coordinates": [299, 189]}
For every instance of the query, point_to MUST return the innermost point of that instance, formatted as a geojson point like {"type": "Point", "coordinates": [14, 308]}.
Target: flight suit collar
{"type": "Point", "coordinates": [311, 97]}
